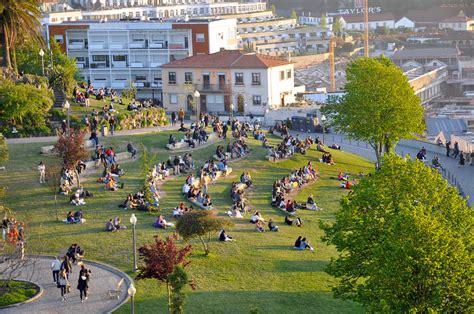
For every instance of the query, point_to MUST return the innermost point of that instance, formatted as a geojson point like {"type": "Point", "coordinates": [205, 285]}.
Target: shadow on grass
{"type": "Point", "coordinates": [300, 266]}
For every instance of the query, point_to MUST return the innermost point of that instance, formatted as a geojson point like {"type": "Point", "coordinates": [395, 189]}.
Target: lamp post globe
{"type": "Point", "coordinates": [133, 221]}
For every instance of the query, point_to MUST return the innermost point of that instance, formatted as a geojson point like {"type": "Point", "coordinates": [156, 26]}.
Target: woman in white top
{"type": "Point", "coordinates": [42, 172]}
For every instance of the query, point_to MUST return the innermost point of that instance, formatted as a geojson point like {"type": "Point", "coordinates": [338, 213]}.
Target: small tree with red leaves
{"type": "Point", "coordinates": [160, 260]}
{"type": "Point", "coordinates": [70, 148]}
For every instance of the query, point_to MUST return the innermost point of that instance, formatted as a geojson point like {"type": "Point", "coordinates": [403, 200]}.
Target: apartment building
{"type": "Point", "coordinates": [163, 10]}
{"type": "Point", "coordinates": [117, 54]}
{"type": "Point", "coordinates": [458, 23]}
{"type": "Point", "coordinates": [249, 82]}
{"type": "Point", "coordinates": [284, 41]}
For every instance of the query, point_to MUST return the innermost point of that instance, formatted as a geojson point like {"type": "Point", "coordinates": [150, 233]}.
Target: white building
{"type": "Point", "coordinates": [117, 54]}
{"type": "Point", "coordinates": [175, 9]}
{"type": "Point", "coordinates": [251, 82]}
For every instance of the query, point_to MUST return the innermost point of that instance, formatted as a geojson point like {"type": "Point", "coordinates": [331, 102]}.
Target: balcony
{"type": "Point", "coordinates": [219, 88]}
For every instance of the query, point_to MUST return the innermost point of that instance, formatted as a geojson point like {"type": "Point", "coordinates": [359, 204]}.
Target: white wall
{"type": "Point", "coordinates": [227, 28]}
{"type": "Point", "coordinates": [404, 22]}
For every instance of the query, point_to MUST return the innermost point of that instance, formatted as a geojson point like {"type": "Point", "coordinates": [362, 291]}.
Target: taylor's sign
{"type": "Point", "coordinates": [372, 10]}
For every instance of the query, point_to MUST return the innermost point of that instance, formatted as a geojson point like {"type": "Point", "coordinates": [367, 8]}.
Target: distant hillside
{"type": "Point", "coordinates": [396, 6]}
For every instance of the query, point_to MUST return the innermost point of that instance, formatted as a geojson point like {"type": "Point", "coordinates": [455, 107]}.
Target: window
{"type": "Point", "coordinates": [172, 78]}
{"type": "Point", "coordinates": [288, 73]}
{"type": "Point", "coordinates": [282, 75]}
{"type": "Point", "coordinates": [188, 77]}
{"type": "Point", "coordinates": [255, 78]}
{"type": "Point", "coordinates": [239, 78]}
{"type": "Point", "coordinates": [257, 100]}
{"type": "Point", "coordinates": [122, 58]}
{"type": "Point", "coordinates": [59, 39]}
{"type": "Point", "coordinates": [99, 58]}
{"type": "Point", "coordinates": [200, 38]}
{"type": "Point", "coordinates": [173, 99]}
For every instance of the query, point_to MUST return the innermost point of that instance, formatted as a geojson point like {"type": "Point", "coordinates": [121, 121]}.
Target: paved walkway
{"type": "Point", "coordinates": [48, 139]}
{"type": "Point", "coordinates": [103, 278]}
{"type": "Point", "coordinates": [459, 177]}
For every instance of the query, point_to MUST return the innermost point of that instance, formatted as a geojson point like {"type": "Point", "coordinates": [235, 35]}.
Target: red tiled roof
{"type": "Point", "coordinates": [437, 14]}
{"type": "Point", "coordinates": [372, 18]}
{"type": "Point", "coordinates": [456, 19]}
{"type": "Point", "coordinates": [235, 59]}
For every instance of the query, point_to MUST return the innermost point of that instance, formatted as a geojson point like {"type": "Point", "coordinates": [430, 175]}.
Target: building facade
{"type": "Point", "coordinates": [248, 82]}
{"type": "Point", "coordinates": [117, 54]}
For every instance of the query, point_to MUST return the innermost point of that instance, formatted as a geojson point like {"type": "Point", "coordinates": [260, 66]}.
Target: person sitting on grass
{"type": "Point", "coordinates": [305, 245]}
{"type": "Point", "coordinates": [161, 223]}
{"type": "Point", "coordinates": [76, 199]}
{"type": "Point", "coordinates": [320, 148]}
{"type": "Point", "coordinates": [172, 140]}
{"type": "Point", "coordinates": [343, 177]}
{"type": "Point", "coordinates": [70, 217]}
{"type": "Point", "coordinates": [311, 204]}
{"type": "Point", "coordinates": [259, 226]}
{"type": "Point", "coordinates": [109, 226]}
{"type": "Point", "coordinates": [224, 237]}
{"type": "Point", "coordinates": [257, 217]}
{"type": "Point", "coordinates": [118, 223]}
{"type": "Point", "coordinates": [272, 226]}
{"type": "Point", "coordinates": [132, 150]}
{"type": "Point", "coordinates": [78, 217]}
{"type": "Point", "coordinates": [296, 222]}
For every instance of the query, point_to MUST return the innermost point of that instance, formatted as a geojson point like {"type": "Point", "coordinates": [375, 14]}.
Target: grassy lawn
{"type": "Point", "coordinates": [258, 271]}
{"type": "Point", "coordinates": [15, 292]}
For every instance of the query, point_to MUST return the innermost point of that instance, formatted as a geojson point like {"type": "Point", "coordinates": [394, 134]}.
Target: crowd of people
{"type": "Point", "coordinates": [240, 204]}
{"type": "Point", "coordinates": [296, 179]}
{"type": "Point", "coordinates": [289, 146]}
{"type": "Point", "coordinates": [194, 137]}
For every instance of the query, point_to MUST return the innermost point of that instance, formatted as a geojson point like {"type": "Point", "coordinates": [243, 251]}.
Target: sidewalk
{"type": "Point", "coordinates": [459, 177]}
{"type": "Point", "coordinates": [48, 139]}
{"type": "Point", "coordinates": [103, 278]}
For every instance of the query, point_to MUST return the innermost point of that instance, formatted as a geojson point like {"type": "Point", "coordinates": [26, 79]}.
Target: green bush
{"type": "Point", "coordinates": [15, 292]}
{"type": "Point", "coordinates": [146, 118]}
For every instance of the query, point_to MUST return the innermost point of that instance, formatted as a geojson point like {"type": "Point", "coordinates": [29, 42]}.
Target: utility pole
{"type": "Point", "coordinates": [366, 33]}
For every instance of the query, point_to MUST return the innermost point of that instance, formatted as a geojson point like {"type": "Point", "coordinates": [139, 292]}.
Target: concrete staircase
{"type": "Point", "coordinates": [59, 98]}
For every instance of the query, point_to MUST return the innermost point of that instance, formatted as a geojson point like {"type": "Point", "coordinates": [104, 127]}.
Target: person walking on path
{"type": "Point", "coordinates": [456, 150]}
{"type": "Point", "coordinates": [112, 125]}
{"type": "Point", "coordinates": [83, 282]}
{"type": "Point", "coordinates": [55, 268]}
{"type": "Point", "coordinates": [181, 115]}
{"type": "Point", "coordinates": [173, 118]}
{"type": "Point", "coordinates": [42, 172]}
{"type": "Point", "coordinates": [448, 148]}
{"type": "Point", "coordinates": [63, 284]}
{"type": "Point", "coordinates": [462, 159]}
{"type": "Point", "coordinates": [66, 266]}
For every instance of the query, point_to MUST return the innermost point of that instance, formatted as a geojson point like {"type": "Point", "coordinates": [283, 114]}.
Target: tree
{"type": "Point", "coordinates": [70, 148]}
{"type": "Point", "coordinates": [24, 107]}
{"type": "Point", "coordinates": [323, 21]}
{"type": "Point", "coordinates": [3, 148]}
{"type": "Point", "coordinates": [130, 91]}
{"type": "Point", "coordinates": [273, 8]}
{"type": "Point", "coordinates": [19, 21]}
{"type": "Point", "coordinates": [337, 26]}
{"type": "Point", "coordinates": [404, 238]}
{"type": "Point", "coordinates": [200, 224]}
{"type": "Point", "coordinates": [379, 107]}
{"type": "Point", "coordinates": [294, 15]}
{"type": "Point", "coordinates": [160, 261]}
{"type": "Point", "coordinates": [178, 280]}
{"type": "Point", "coordinates": [62, 78]}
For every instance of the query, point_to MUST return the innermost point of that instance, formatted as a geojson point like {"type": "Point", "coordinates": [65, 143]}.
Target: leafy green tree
{"type": "Point", "coordinates": [200, 224]}
{"type": "Point", "coordinates": [337, 26]}
{"type": "Point", "coordinates": [294, 15]}
{"type": "Point", "coordinates": [323, 21]}
{"type": "Point", "coordinates": [19, 21]}
{"type": "Point", "coordinates": [273, 8]}
{"type": "Point", "coordinates": [130, 92]}
{"type": "Point", "coordinates": [24, 107]}
{"type": "Point", "coordinates": [3, 148]}
{"type": "Point", "coordinates": [380, 107]}
{"type": "Point", "coordinates": [160, 261]}
{"type": "Point", "coordinates": [178, 279]}
{"type": "Point", "coordinates": [404, 238]}
{"type": "Point", "coordinates": [62, 78]}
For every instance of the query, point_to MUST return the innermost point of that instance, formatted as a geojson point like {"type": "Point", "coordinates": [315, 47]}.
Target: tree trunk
{"type": "Point", "coordinates": [6, 48]}
{"type": "Point", "coordinates": [378, 155]}
{"type": "Point", "coordinates": [169, 296]}
{"type": "Point", "coordinates": [14, 65]}
{"type": "Point", "coordinates": [206, 247]}
{"type": "Point", "coordinates": [78, 180]}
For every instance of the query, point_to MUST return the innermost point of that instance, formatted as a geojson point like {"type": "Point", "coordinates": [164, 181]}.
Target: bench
{"type": "Point", "coordinates": [183, 145]}
{"type": "Point", "coordinates": [115, 293]}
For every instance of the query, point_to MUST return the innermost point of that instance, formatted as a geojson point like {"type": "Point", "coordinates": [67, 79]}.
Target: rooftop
{"type": "Point", "coordinates": [235, 59]}
{"type": "Point", "coordinates": [437, 14]}
{"type": "Point", "coordinates": [446, 125]}
{"type": "Point", "coordinates": [426, 53]}
{"type": "Point", "coordinates": [372, 17]}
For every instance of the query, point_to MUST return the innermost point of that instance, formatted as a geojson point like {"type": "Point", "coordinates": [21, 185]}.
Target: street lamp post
{"type": "Point", "coordinates": [323, 120]}
{"type": "Point", "coordinates": [131, 292]}
{"type": "Point", "coordinates": [231, 111]}
{"type": "Point", "coordinates": [265, 116]}
{"type": "Point", "coordinates": [67, 106]}
{"type": "Point", "coordinates": [197, 94]}
{"type": "Point", "coordinates": [133, 221]}
{"type": "Point", "coordinates": [41, 53]}
{"type": "Point", "coordinates": [245, 109]}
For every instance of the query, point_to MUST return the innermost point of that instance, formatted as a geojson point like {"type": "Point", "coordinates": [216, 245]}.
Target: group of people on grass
{"type": "Point", "coordinates": [240, 204]}
{"type": "Point", "coordinates": [196, 190]}
{"type": "Point", "coordinates": [290, 145]}
{"type": "Point", "coordinates": [198, 136]}
{"type": "Point", "coordinates": [114, 224]}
